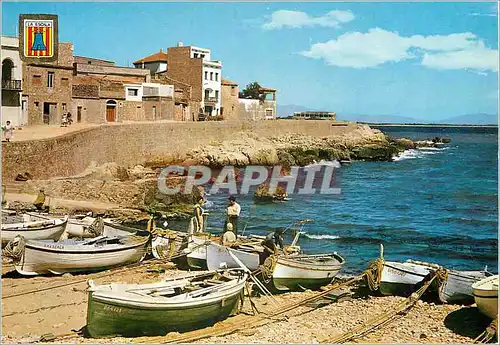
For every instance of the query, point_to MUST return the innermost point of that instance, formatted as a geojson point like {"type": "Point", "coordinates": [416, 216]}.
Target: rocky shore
{"type": "Point", "coordinates": [134, 190]}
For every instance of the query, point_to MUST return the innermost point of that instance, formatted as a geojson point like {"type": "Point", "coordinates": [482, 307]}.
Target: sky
{"type": "Point", "coordinates": [424, 60]}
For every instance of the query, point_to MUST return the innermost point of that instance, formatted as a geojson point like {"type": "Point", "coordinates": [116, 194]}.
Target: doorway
{"type": "Point", "coordinates": [79, 114]}
{"type": "Point", "coordinates": [111, 111]}
{"type": "Point", "coordinates": [49, 112]}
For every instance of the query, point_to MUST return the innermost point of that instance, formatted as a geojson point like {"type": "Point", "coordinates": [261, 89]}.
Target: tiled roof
{"type": "Point", "coordinates": [228, 82]}
{"type": "Point", "coordinates": [161, 56]}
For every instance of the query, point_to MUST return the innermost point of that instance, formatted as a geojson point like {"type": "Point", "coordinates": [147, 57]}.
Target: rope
{"type": "Point", "coordinates": [97, 227]}
{"type": "Point", "coordinates": [15, 248]}
{"type": "Point", "coordinates": [267, 268]}
{"type": "Point", "coordinates": [489, 333]}
{"type": "Point", "coordinates": [374, 274]}
{"type": "Point", "coordinates": [382, 319]}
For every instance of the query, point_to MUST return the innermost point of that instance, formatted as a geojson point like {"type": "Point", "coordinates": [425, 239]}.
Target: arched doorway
{"type": "Point", "coordinates": [7, 67]}
{"type": "Point", "coordinates": [111, 111]}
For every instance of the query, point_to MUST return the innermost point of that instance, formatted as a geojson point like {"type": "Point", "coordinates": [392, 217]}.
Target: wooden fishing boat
{"type": "Point", "coordinates": [34, 229]}
{"type": "Point", "coordinates": [302, 272]}
{"type": "Point", "coordinates": [78, 226]}
{"type": "Point", "coordinates": [218, 256]}
{"type": "Point", "coordinates": [457, 287]}
{"type": "Point", "coordinates": [167, 243]}
{"type": "Point", "coordinates": [182, 303]}
{"type": "Point", "coordinates": [89, 255]}
{"type": "Point", "coordinates": [486, 296]}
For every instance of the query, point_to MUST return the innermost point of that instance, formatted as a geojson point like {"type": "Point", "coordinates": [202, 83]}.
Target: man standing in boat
{"type": "Point", "coordinates": [233, 214]}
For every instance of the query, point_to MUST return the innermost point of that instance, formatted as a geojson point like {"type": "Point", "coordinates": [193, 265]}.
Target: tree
{"type": "Point", "coordinates": [252, 91]}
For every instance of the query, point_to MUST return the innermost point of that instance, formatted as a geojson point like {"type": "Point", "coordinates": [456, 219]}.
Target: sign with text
{"type": "Point", "coordinates": [38, 39]}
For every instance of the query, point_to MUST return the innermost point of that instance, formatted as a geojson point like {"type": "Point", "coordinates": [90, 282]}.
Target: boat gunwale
{"type": "Point", "coordinates": [48, 227]}
{"type": "Point", "coordinates": [33, 246]}
{"type": "Point", "coordinates": [405, 271]}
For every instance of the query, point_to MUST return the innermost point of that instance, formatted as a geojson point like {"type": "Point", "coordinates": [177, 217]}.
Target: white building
{"type": "Point", "coordinates": [212, 78]}
{"type": "Point", "coordinates": [136, 92]}
{"type": "Point", "coordinates": [14, 105]}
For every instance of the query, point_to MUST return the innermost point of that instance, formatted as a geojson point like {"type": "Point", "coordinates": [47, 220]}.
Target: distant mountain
{"type": "Point", "coordinates": [377, 118]}
{"type": "Point", "coordinates": [472, 119]}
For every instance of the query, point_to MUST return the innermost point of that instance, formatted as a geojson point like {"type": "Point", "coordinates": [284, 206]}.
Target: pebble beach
{"type": "Point", "coordinates": [62, 310]}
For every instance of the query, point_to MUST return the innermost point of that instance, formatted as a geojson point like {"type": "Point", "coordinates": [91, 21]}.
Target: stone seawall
{"type": "Point", "coordinates": [140, 143]}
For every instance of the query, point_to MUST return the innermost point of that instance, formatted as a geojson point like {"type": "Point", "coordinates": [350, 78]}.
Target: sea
{"type": "Point", "coordinates": [438, 205]}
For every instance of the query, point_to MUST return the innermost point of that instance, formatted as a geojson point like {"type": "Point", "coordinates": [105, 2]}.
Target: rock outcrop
{"type": "Point", "coordinates": [363, 143]}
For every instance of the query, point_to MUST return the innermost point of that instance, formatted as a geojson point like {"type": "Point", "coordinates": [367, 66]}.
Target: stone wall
{"type": "Point", "coordinates": [138, 143]}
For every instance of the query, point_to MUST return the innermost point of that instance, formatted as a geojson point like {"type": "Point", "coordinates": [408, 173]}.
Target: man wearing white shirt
{"type": "Point", "coordinates": [233, 213]}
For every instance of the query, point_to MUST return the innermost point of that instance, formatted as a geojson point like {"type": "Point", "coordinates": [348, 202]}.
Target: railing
{"type": "Point", "coordinates": [11, 85]}
{"type": "Point", "coordinates": [211, 99]}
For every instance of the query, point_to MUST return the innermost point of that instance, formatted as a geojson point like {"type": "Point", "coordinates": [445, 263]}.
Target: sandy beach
{"type": "Point", "coordinates": [62, 310]}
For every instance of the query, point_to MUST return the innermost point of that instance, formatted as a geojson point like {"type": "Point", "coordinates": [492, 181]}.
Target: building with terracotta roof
{"type": "Point", "coordinates": [192, 66]}
{"type": "Point", "coordinates": [263, 108]}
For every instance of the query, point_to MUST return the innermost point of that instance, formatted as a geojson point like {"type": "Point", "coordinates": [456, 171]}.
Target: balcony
{"type": "Point", "coordinates": [211, 99]}
{"type": "Point", "coordinates": [14, 85]}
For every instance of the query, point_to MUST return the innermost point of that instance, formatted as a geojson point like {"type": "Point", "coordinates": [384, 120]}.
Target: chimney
{"type": "Point", "coordinates": [180, 44]}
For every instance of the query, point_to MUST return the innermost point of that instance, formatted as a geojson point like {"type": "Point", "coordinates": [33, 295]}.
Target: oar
{"type": "Point", "coordinates": [266, 292]}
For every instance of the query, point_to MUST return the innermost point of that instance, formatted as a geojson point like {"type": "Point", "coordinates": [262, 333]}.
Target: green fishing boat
{"type": "Point", "coordinates": [179, 304]}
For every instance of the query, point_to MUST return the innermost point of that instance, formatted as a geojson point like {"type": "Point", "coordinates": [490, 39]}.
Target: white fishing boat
{"type": "Point", "coordinates": [218, 256]}
{"type": "Point", "coordinates": [402, 278]}
{"type": "Point", "coordinates": [89, 255]}
{"type": "Point", "coordinates": [486, 296]}
{"type": "Point", "coordinates": [167, 244]}
{"type": "Point", "coordinates": [34, 229]}
{"type": "Point", "coordinates": [83, 226]}
{"type": "Point", "coordinates": [300, 272]}
{"type": "Point", "coordinates": [176, 304]}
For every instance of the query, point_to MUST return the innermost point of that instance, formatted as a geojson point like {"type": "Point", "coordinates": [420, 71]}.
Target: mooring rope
{"type": "Point", "coordinates": [15, 248]}
{"type": "Point", "coordinates": [489, 333]}
{"type": "Point", "coordinates": [382, 319]}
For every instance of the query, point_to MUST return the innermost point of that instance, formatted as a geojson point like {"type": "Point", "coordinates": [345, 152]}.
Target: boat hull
{"type": "Point", "coordinates": [294, 274]}
{"type": "Point", "coordinates": [111, 317]}
{"type": "Point", "coordinates": [486, 296]}
{"type": "Point", "coordinates": [457, 288]}
{"type": "Point", "coordinates": [218, 257]}
{"type": "Point", "coordinates": [50, 232]}
{"type": "Point", "coordinates": [59, 259]}
{"type": "Point", "coordinates": [401, 278]}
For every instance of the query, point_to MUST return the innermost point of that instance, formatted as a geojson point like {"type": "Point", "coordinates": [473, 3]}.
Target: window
{"type": "Point", "coordinates": [195, 55]}
{"type": "Point", "coordinates": [64, 107]}
{"type": "Point", "coordinates": [202, 56]}
{"type": "Point", "coordinates": [206, 75]}
{"type": "Point", "coordinates": [216, 94]}
{"type": "Point", "coordinates": [64, 81]}
{"type": "Point", "coordinates": [269, 113]}
{"type": "Point", "coordinates": [133, 92]}
{"type": "Point", "coordinates": [50, 79]}
{"type": "Point", "coordinates": [37, 79]}
{"type": "Point", "coordinates": [233, 90]}
{"type": "Point", "coordinates": [216, 76]}
{"type": "Point", "coordinates": [211, 75]}
{"type": "Point", "coordinates": [36, 104]}
{"type": "Point", "coordinates": [154, 112]}
{"type": "Point", "coordinates": [207, 94]}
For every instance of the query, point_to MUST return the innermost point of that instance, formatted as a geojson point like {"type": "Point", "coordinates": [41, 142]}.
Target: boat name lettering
{"type": "Point", "coordinates": [113, 309]}
{"type": "Point", "coordinates": [396, 272]}
{"type": "Point", "coordinates": [54, 246]}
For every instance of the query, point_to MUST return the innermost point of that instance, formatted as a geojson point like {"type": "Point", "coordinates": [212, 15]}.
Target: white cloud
{"type": "Point", "coordinates": [297, 19]}
{"type": "Point", "coordinates": [379, 46]}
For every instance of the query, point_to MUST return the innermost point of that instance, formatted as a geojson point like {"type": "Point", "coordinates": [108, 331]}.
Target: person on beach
{"type": "Point", "coordinates": [228, 238]}
{"type": "Point", "coordinates": [233, 214]}
{"type": "Point", "coordinates": [198, 216]}
{"type": "Point", "coordinates": [271, 243]}
{"type": "Point", "coordinates": [8, 131]}
{"type": "Point", "coordinates": [40, 201]}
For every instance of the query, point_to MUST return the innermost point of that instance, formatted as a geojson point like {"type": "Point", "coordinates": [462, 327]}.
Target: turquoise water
{"type": "Point", "coordinates": [435, 205]}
